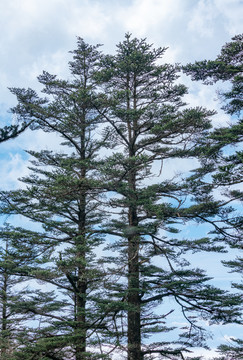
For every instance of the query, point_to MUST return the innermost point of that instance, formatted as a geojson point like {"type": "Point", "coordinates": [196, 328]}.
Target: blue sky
{"type": "Point", "coordinates": [36, 35]}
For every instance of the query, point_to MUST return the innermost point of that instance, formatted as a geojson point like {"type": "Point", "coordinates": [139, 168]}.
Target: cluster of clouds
{"type": "Point", "coordinates": [37, 34]}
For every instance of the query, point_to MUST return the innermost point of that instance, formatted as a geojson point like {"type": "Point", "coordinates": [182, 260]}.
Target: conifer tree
{"type": "Point", "coordinates": [149, 124]}
{"type": "Point", "coordinates": [25, 307]}
{"type": "Point", "coordinates": [226, 67]}
{"type": "Point", "coordinates": [62, 194]}
{"type": "Point", "coordinates": [14, 320]}
{"type": "Point", "coordinates": [5, 285]}
{"type": "Point", "coordinates": [226, 169]}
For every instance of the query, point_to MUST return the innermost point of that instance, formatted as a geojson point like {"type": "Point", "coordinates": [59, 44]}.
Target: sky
{"type": "Point", "coordinates": [37, 35]}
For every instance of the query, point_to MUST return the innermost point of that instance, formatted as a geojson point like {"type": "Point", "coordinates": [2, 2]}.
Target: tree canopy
{"type": "Point", "coordinates": [107, 239]}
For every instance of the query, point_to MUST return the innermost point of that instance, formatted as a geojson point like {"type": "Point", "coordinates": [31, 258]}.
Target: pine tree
{"type": "Point", "coordinates": [5, 284]}
{"type": "Point", "coordinates": [14, 320]}
{"type": "Point", "coordinates": [226, 67]}
{"type": "Point", "coordinates": [227, 169]}
{"type": "Point", "coordinates": [63, 195]}
{"type": "Point", "coordinates": [131, 106]}
{"type": "Point", "coordinates": [26, 306]}
{"type": "Point", "coordinates": [149, 124]}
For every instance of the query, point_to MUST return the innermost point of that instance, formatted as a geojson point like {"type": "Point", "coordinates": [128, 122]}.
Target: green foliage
{"type": "Point", "coordinates": [227, 169]}
{"type": "Point", "coordinates": [118, 118]}
{"type": "Point", "coordinates": [233, 351]}
{"type": "Point", "coordinates": [227, 66]}
{"type": "Point", "coordinates": [12, 131]}
{"type": "Point", "coordinates": [59, 198]}
{"type": "Point", "coordinates": [148, 123]}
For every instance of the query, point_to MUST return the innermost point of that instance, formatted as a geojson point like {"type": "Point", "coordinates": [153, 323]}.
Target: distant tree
{"type": "Point", "coordinates": [149, 124]}
{"type": "Point", "coordinates": [6, 298]}
{"type": "Point", "coordinates": [23, 309]}
{"type": "Point", "coordinates": [14, 320]}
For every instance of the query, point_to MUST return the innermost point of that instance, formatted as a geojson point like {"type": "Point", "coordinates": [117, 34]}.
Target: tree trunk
{"type": "Point", "coordinates": [81, 285]}
{"type": "Point", "coordinates": [4, 338]}
{"type": "Point", "coordinates": [134, 333]}
{"type": "Point", "coordinates": [81, 261]}
{"type": "Point", "coordinates": [81, 319]}
{"type": "Point", "coordinates": [134, 312]}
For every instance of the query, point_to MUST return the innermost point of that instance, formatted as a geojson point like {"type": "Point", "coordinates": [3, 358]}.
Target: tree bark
{"type": "Point", "coordinates": [81, 329]}
{"type": "Point", "coordinates": [4, 316]}
{"type": "Point", "coordinates": [134, 312]}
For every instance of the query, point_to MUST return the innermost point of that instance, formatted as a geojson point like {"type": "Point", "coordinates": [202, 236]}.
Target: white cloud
{"type": "Point", "coordinates": [145, 15]}
{"type": "Point", "coordinates": [206, 96]}
{"type": "Point", "coordinates": [202, 20]}
{"type": "Point", "coordinates": [86, 19]}
{"type": "Point", "coordinates": [14, 162]}
{"type": "Point", "coordinates": [206, 16]}
{"type": "Point", "coordinates": [13, 167]}
{"type": "Point", "coordinates": [37, 34]}
{"type": "Point", "coordinates": [232, 12]}
{"type": "Point", "coordinates": [207, 354]}
{"type": "Point", "coordinates": [55, 63]}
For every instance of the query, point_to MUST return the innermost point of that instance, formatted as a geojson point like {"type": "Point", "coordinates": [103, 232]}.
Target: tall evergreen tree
{"type": "Point", "coordinates": [226, 169]}
{"type": "Point", "coordinates": [62, 194]}
{"type": "Point", "coordinates": [148, 124]}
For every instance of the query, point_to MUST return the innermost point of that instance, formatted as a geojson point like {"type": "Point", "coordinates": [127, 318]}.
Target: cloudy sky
{"type": "Point", "coordinates": [36, 35]}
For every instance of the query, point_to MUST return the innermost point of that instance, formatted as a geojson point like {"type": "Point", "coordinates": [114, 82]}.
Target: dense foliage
{"type": "Point", "coordinates": [227, 167]}
{"type": "Point", "coordinates": [105, 254]}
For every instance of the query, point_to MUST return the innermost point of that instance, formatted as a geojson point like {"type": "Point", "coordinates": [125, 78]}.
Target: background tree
{"type": "Point", "coordinates": [228, 66]}
{"type": "Point", "coordinates": [25, 309]}
{"type": "Point", "coordinates": [6, 303]}
{"type": "Point", "coordinates": [149, 123]}
{"type": "Point", "coordinates": [226, 165]}
{"type": "Point", "coordinates": [16, 330]}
